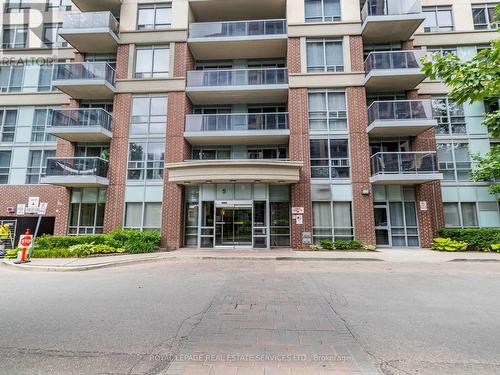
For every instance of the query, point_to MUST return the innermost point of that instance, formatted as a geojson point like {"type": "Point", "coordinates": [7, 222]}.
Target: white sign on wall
{"type": "Point", "coordinates": [423, 205]}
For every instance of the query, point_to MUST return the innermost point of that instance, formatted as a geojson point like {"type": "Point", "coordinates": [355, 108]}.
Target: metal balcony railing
{"type": "Point", "coordinates": [400, 110]}
{"type": "Point", "coordinates": [82, 117]}
{"type": "Point", "coordinates": [424, 162]}
{"type": "Point", "coordinates": [236, 121]}
{"type": "Point", "coordinates": [91, 20]}
{"type": "Point", "coordinates": [390, 7]}
{"type": "Point", "coordinates": [70, 167]}
{"type": "Point", "coordinates": [229, 29]}
{"type": "Point", "coordinates": [385, 60]}
{"type": "Point", "coordinates": [84, 71]}
{"type": "Point", "coordinates": [237, 77]}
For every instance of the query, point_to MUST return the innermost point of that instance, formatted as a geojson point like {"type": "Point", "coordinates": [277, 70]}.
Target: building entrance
{"type": "Point", "coordinates": [233, 225]}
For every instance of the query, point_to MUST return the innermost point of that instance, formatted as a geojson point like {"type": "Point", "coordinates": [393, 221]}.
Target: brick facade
{"type": "Point", "coordinates": [118, 156]}
{"type": "Point", "coordinates": [356, 51]}
{"type": "Point", "coordinates": [57, 198]}
{"type": "Point", "coordinates": [364, 222]}
{"type": "Point", "coordinates": [293, 57]}
{"type": "Point", "coordinates": [299, 151]}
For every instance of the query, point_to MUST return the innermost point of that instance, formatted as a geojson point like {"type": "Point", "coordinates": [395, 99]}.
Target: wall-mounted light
{"type": "Point", "coordinates": [365, 192]}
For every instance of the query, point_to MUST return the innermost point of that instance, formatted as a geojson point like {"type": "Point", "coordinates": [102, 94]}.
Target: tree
{"type": "Point", "coordinates": [475, 80]}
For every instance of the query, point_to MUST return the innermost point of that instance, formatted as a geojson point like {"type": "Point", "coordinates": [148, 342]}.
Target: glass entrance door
{"type": "Point", "coordinates": [382, 226]}
{"type": "Point", "coordinates": [233, 226]}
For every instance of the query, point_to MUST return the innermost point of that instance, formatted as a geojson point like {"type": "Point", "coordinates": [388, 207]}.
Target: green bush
{"type": "Point", "coordinates": [447, 244]}
{"type": "Point", "coordinates": [495, 247]}
{"type": "Point", "coordinates": [52, 253]}
{"type": "Point", "coordinates": [347, 245]}
{"type": "Point", "coordinates": [132, 241]}
{"type": "Point", "coordinates": [327, 244]}
{"type": "Point", "coordinates": [478, 239]}
{"type": "Point", "coordinates": [11, 254]}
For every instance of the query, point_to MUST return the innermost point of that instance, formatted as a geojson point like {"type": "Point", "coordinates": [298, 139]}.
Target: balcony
{"type": "Point", "coordinates": [393, 70]}
{"type": "Point", "coordinates": [93, 32]}
{"type": "Point", "coordinates": [76, 172]}
{"type": "Point", "coordinates": [278, 171]}
{"type": "Point", "coordinates": [81, 125]}
{"type": "Point", "coordinates": [390, 20]}
{"type": "Point", "coordinates": [238, 39]}
{"type": "Point", "coordinates": [85, 80]}
{"type": "Point", "coordinates": [231, 86]}
{"type": "Point", "coordinates": [237, 128]}
{"type": "Point", "coordinates": [101, 5]}
{"type": "Point", "coordinates": [400, 118]}
{"type": "Point", "coordinates": [402, 168]}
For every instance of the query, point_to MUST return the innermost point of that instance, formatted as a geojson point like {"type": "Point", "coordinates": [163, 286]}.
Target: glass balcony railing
{"type": "Point", "coordinates": [386, 60]}
{"type": "Point", "coordinates": [91, 20]}
{"type": "Point", "coordinates": [390, 7]}
{"type": "Point", "coordinates": [424, 162]}
{"type": "Point", "coordinates": [82, 117]}
{"type": "Point", "coordinates": [84, 71]}
{"type": "Point", "coordinates": [237, 122]}
{"type": "Point", "coordinates": [400, 110]}
{"type": "Point", "coordinates": [71, 167]}
{"type": "Point", "coordinates": [231, 29]}
{"type": "Point", "coordinates": [237, 77]}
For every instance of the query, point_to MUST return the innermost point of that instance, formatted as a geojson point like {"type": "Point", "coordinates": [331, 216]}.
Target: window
{"type": "Point", "coordinates": [330, 158]}
{"type": "Point", "coordinates": [454, 160]}
{"type": "Point", "coordinates": [87, 211]}
{"type": "Point", "coordinates": [438, 19]}
{"type": "Point", "coordinates": [51, 37]}
{"type": "Point", "coordinates": [324, 55]}
{"type": "Point", "coordinates": [483, 16]}
{"type": "Point", "coordinates": [58, 4]}
{"type": "Point", "coordinates": [12, 78]}
{"type": "Point", "coordinates": [449, 115]}
{"type": "Point", "coordinates": [15, 36]}
{"type": "Point", "coordinates": [37, 163]}
{"type": "Point", "coordinates": [14, 6]}
{"type": "Point", "coordinates": [327, 111]}
{"type": "Point", "coordinates": [41, 119]}
{"type": "Point", "coordinates": [322, 10]}
{"type": "Point", "coordinates": [154, 16]}
{"type": "Point", "coordinates": [152, 62]}
{"type": "Point", "coordinates": [149, 115]}
{"type": "Point", "coordinates": [4, 166]}
{"type": "Point", "coordinates": [146, 161]}
{"type": "Point", "coordinates": [443, 51]}
{"type": "Point", "coordinates": [211, 153]}
{"type": "Point", "coordinates": [332, 220]}
{"type": "Point", "coordinates": [143, 215]}
{"type": "Point", "coordinates": [460, 214]}
{"type": "Point", "coordinates": [8, 121]}
{"type": "Point", "coordinates": [269, 152]}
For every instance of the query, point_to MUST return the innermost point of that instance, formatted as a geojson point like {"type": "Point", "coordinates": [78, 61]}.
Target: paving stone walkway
{"type": "Point", "coordinates": [250, 329]}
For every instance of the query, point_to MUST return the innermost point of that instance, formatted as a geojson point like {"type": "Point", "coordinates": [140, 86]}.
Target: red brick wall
{"type": "Point", "coordinates": [57, 198]}
{"type": "Point", "coordinates": [118, 155]}
{"type": "Point", "coordinates": [183, 60]}
{"type": "Point", "coordinates": [122, 58]}
{"type": "Point", "coordinates": [177, 150]}
{"type": "Point", "coordinates": [364, 223]}
{"type": "Point", "coordinates": [299, 151]}
{"type": "Point", "coordinates": [293, 57]}
{"type": "Point", "coordinates": [356, 48]}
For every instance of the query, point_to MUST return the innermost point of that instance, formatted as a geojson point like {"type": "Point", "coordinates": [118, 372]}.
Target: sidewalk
{"type": "Point", "coordinates": [386, 255]}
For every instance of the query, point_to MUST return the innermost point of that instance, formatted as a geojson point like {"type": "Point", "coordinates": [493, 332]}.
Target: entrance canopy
{"type": "Point", "coordinates": [234, 171]}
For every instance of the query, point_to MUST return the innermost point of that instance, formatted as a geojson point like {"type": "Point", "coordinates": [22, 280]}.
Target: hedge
{"type": "Point", "coordinates": [478, 239]}
{"type": "Point", "coordinates": [132, 241]}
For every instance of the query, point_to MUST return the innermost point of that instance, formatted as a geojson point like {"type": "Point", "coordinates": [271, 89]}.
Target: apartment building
{"type": "Point", "coordinates": [236, 123]}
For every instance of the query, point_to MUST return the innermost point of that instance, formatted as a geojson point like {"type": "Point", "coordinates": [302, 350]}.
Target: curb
{"type": "Point", "coordinates": [151, 260]}
{"type": "Point", "coordinates": [474, 260]}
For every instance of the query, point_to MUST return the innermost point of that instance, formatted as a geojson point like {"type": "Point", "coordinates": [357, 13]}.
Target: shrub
{"type": "Point", "coordinates": [447, 244]}
{"type": "Point", "coordinates": [132, 241]}
{"type": "Point", "coordinates": [495, 247]}
{"type": "Point", "coordinates": [327, 244]}
{"type": "Point", "coordinates": [52, 253]}
{"type": "Point", "coordinates": [11, 254]}
{"type": "Point", "coordinates": [478, 239]}
{"type": "Point", "coordinates": [347, 245]}
{"type": "Point", "coordinates": [369, 247]}
{"type": "Point", "coordinates": [315, 247]}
